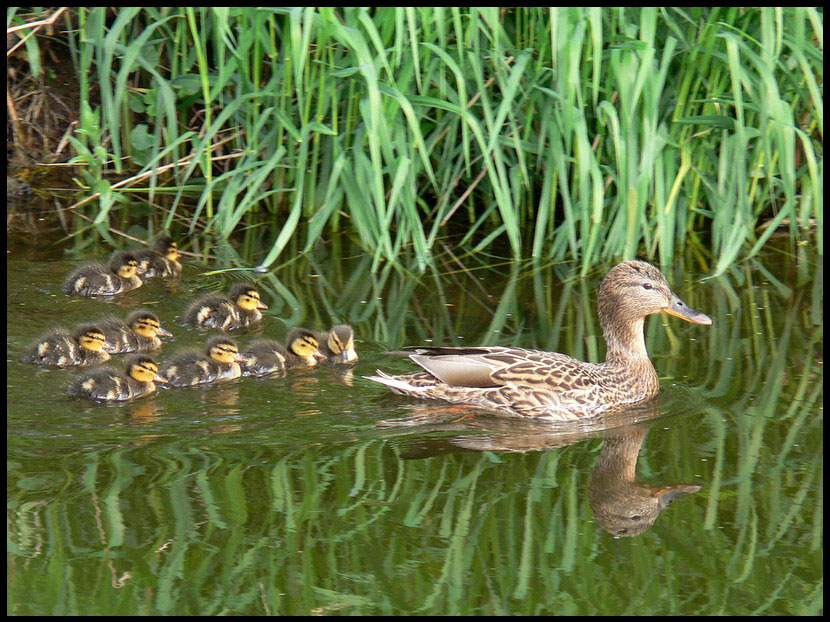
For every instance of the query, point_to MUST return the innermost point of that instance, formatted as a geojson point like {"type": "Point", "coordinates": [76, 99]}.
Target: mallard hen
{"type": "Point", "coordinates": [550, 385]}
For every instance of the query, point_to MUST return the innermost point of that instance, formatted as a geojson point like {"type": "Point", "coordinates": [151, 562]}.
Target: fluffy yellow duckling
{"type": "Point", "coordinates": [87, 345]}
{"type": "Point", "coordinates": [266, 356]}
{"type": "Point", "coordinates": [239, 308]}
{"type": "Point", "coordinates": [138, 333]}
{"type": "Point", "coordinates": [337, 345]}
{"type": "Point", "coordinates": [118, 276]}
{"type": "Point", "coordinates": [111, 385]}
{"type": "Point", "coordinates": [219, 362]}
{"type": "Point", "coordinates": [161, 260]}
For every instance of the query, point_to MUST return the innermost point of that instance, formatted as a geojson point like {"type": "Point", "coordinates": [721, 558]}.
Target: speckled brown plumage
{"type": "Point", "coordinates": [220, 361]}
{"type": "Point", "coordinates": [550, 385]}
{"type": "Point", "coordinates": [86, 345]}
{"type": "Point", "coordinates": [159, 261]}
{"type": "Point", "coordinates": [238, 309]}
{"type": "Point", "coordinates": [138, 333]}
{"type": "Point", "coordinates": [111, 385]}
{"type": "Point", "coordinates": [266, 356]}
{"type": "Point", "coordinates": [117, 277]}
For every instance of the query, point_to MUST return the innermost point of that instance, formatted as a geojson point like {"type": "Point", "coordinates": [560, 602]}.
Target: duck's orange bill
{"type": "Point", "coordinates": [680, 309]}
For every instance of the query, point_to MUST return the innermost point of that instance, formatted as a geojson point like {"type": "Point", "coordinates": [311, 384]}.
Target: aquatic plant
{"type": "Point", "coordinates": [589, 133]}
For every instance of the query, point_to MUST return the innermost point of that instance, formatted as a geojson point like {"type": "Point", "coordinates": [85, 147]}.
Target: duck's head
{"type": "Point", "coordinates": [124, 264]}
{"type": "Point", "coordinates": [340, 340]}
{"type": "Point", "coordinates": [144, 368]}
{"type": "Point", "coordinates": [246, 297]}
{"type": "Point", "coordinates": [92, 338]}
{"type": "Point", "coordinates": [146, 324]}
{"type": "Point", "coordinates": [304, 344]}
{"type": "Point", "coordinates": [165, 245]}
{"type": "Point", "coordinates": [634, 289]}
{"type": "Point", "coordinates": [224, 350]}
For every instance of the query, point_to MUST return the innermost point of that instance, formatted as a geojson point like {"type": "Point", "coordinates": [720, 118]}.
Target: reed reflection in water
{"type": "Point", "coordinates": [284, 496]}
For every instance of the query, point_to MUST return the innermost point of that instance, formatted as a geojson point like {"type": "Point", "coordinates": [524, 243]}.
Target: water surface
{"type": "Point", "coordinates": [322, 493]}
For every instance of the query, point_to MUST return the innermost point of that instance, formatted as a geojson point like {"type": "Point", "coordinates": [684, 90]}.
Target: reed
{"type": "Point", "coordinates": [556, 133]}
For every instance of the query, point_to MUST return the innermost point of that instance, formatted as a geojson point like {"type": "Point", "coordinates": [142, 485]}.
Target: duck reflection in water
{"type": "Point", "coordinates": [621, 504]}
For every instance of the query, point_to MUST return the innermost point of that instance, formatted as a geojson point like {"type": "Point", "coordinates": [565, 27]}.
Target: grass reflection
{"type": "Point", "coordinates": [283, 497]}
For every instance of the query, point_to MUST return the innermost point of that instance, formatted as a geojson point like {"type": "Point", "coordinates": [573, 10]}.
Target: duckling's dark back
{"type": "Point", "coordinates": [264, 356]}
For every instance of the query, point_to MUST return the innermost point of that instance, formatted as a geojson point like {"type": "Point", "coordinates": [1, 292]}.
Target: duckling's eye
{"type": "Point", "coordinates": [648, 286]}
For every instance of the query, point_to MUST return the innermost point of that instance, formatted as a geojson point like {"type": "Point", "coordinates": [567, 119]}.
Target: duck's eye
{"type": "Point", "coordinates": [648, 286]}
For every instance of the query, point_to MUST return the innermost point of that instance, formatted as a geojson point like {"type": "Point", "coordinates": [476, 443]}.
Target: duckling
{"type": "Point", "coordinates": [219, 362]}
{"type": "Point", "coordinates": [161, 260]}
{"type": "Point", "coordinates": [138, 333]}
{"type": "Point", "coordinates": [239, 308]}
{"type": "Point", "coordinates": [266, 356]}
{"type": "Point", "coordinates": [337, 345]}
{"type": "Point", "coordinates": [87, 345]}
{"type": "Point", "coordinates": [111, 385]}
{"type": "Point", "coordinates": [117, 277]}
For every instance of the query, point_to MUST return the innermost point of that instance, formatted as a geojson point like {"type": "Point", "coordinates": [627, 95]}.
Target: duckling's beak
{"type": "Point", "coordinates": [163, 332]}
{"type": "Point", "coordinates": [161, 379]}
{"type": "Point", "coordinates": [109, 347]}
{"type": "Point", "coordinates": [261, 305]}
{"type": "Point", "coordinates": [680, 309]}
{"type": "Point", "coordinates": [242, 358]}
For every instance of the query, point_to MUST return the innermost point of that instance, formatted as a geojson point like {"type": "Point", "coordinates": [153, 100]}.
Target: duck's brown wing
{"type": "Point", "coordinates": [490, 367]}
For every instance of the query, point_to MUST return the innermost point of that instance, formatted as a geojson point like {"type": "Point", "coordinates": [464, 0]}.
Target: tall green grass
{"type": "Point", "coordinates": [562, 133]}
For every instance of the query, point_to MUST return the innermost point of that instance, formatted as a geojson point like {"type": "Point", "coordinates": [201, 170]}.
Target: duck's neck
{"type": "Point", "coordinates": [625, 341]}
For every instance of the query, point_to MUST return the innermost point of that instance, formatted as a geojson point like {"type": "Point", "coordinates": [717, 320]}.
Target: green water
{"type": "Point", "coordinates": [322, 493]}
